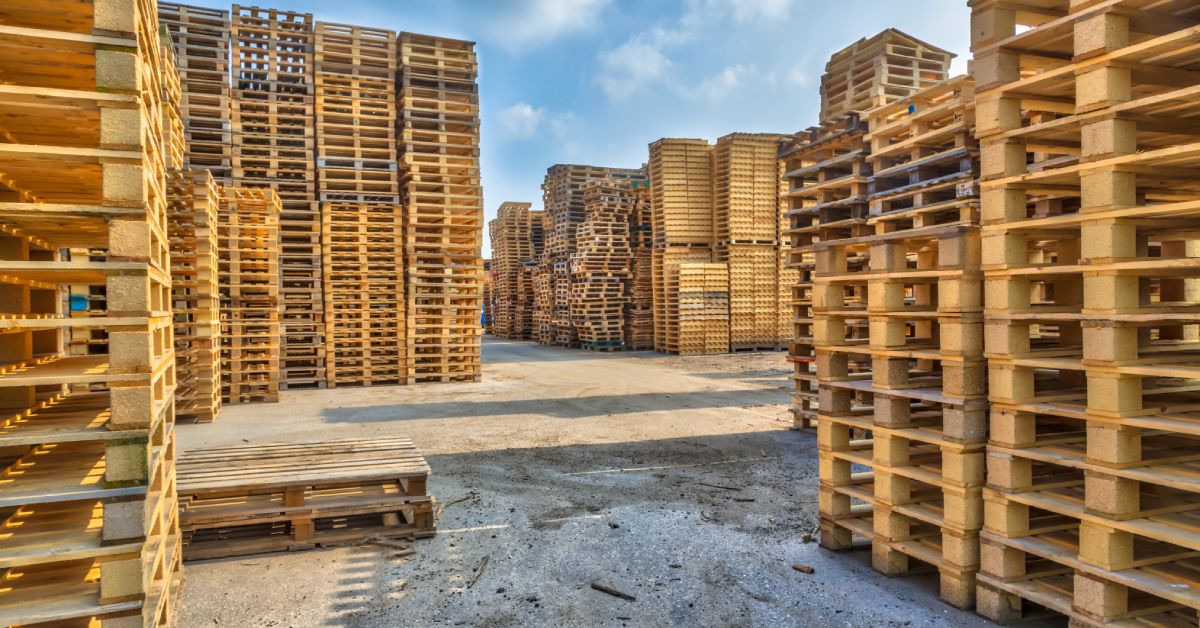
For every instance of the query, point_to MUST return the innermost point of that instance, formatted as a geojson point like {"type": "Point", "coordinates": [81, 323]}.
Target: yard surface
{"type": "Point", "coordinates": [673, 479]}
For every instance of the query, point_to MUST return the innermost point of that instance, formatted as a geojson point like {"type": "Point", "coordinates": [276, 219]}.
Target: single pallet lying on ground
{"type": "Point", "coordinates": [195, 294]}
{"type": "Point", "coordinates": [437, 141]}
{"type": "Point", "coordinates": [248, 237]}
{"type": "Point", "coordinates": [901, 440]}
{"type": "Point", "coordinates": [88, 508]}
{"type": "Point", "coordinates": [273, 126]}
{"type": "Point", "coordinates": [1090, 205]}
{"type": "Point", "coordinates": [251, 499]}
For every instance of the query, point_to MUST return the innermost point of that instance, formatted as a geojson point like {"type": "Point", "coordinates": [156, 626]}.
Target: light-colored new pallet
{"type": "Point", "coordinates": [879, 70]}
{"type": "Point", "coordinates": [201, 39]}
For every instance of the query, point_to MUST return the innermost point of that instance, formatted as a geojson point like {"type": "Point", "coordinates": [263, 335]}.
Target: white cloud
{"type": "Point", "coordinates": [522, 120]}
{"type": "Point", "coordinates": [797, 77]}
{"type": "Point", "coordinates": [535, 22]}
{"type": "Point", "coordinates": [752, 10]}
{"type": "Point", "coordinates": [631, 66]}
{"type": "Point", "coordinates": [720, 85]}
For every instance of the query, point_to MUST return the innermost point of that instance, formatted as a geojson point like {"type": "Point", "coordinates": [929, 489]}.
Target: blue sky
{"type": "Point", "coordinates": [595, 81]}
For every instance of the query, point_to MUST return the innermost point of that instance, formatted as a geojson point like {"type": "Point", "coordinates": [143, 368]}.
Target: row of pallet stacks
{"type": "Point", "coordinates": [88, 498]}
{"type": "Point", "coordinates": [1087, 124]}
{"type": "Point", "coordinates": [437, 138]}
{"type": "Point", "coordinates": [362, 230]}
{"type": "Point", "coordinates": [273, 139]}
{"type": "Point", "coordinates": [600, 266]}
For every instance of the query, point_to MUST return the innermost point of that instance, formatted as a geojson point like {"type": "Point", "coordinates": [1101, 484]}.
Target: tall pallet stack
{"type": "Point", "coordinates": [361, 222]}
{"type": "Point", "coordinates": [526, 308]}
{"type": "Point", "coordinates": [192, 227]}
{"type": "Point", "coordinates": [600, 266]}
{"type": "Point", "coordinates": [1086, 121]}
{"type": "Point", "coordinates": [542, 278]}
{"type": "Point", "coordinates": [248, 275]}
{"type": "Point", "coordinates": [272, 118]}
{"type": "Point", "coordinates": [746, 230]}
{"type": "Point", "coordinates": [489, 298]}
{"type": "Point", "coordinates": [438, 150]}
{"type": "Point", "coordinates": [88, 495]}
{"type": "Point", "coordinates": [879, 70]}
{"type": "Point", "coordinates": [915, 414]}
{"type": "Point", "coordinates": [681, 192]}
{"type": "Point", "coordinates": [512, 249]}
{"type": "Point", "coordinates": [201, 38]}
{"type": "Point", "coordinates": [562, 197]}
{"type": "Point", "coordinates": [639, 314]}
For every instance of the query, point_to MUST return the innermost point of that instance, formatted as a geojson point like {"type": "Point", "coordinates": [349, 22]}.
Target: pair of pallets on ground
{"type": "Point", "coordinates": [280, 497]}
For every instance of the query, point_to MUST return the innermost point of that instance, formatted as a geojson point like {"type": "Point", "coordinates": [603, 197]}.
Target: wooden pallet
{"type": "Point", "coordinates": [195, 292]}
{"type": "Point", "coordinates": [88, 530]}
{"type": "Point", "coordinates": [252, 499]}
{"type": "Point", "coordinates": [1089, 213]}
{"type": "Point", "coordinates": [248, 237]}
{"type": "Point", "coordinates": [697, 296]}
{"type": "Point", "coordinates": [600, 266]}
{"type": "Point", "coordinates": [879, 70]}
{"type": "Point", "coordinates": [512, 252]}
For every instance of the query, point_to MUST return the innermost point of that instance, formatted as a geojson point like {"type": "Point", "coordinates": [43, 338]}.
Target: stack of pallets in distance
{"type": "Point", "coordinates": [879, 70]}
{"type": "Point", "coordinates": [87, 484]}
{"type": "Point", "coordinates": [600, 265]}
{"type": "Point", "coordinates": [248, 275]}
{"type": "Point", "coordinates": [562, 197]}
{"type": "Point", "coordinates": [698, 300]}
{"type": "Point", "coordinates": [913, 411]}
{"type": "Point", "coordinates": [193, 202]}
{"type": "Point", "coordinates": [542, 278]}
{"type": "Point", "coordinates": [361, 220]}
{"type": "Point", "coordinates": [438, 149]}
{"type": "Point", "coordinates": [489, 298]}
{"type": "Point", "coordinates": [639, 314]}
{"type": "Point", "coordinates": [251, 499]}
{"type": "Point", "coordinates": [1087, 118]}
{"type": "Point", "coordinates": [681, 189]}
{"type": "Point", "coordinates": [746, 229]}
{"type": "Point", "coordinates": [201, 38]}
{"type": "Point", "coordinates": [272, 115]}
{"type": "Point", "coordinates": [512, 251]}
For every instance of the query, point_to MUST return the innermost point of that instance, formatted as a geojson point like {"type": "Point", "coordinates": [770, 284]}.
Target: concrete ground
{"type": "Point", "coordinates": [673, 479]}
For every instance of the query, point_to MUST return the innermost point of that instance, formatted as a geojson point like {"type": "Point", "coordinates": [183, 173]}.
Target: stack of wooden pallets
{"type": "Point", "coordinates": [639, 313]}
{"type": "Point", "coordinates": [681, 192]}
{"type": "Point", "coordinates": [562, 197]}
{"type": "Point", "coordinates": [512, 250]}
{"type": "Point", "coordinates": [273, 123]}
{"type": "Point", "coordinates": [438, 150]}
{"type": "Point", "coordinates": [489, 298]}
{"type": "Point", "coordinates": [87, 478]}
{"type": "Point", "coordinates": [746, 230]}
{"type": "Point", "coordinates": [192, 227]}
{"type": "Point", "coordinates": [915, 413]}
{"type": "Point", "coordinates": [251, 499]}
{"type": "Point", "coordinates": [248, 275]}
{"type": "Point", "coordinates": [1089, 198]}
{"type": "Point", "coordinates": [361, 221]}
{"type": "Point", "coordinates": [543, 303]}
{"type": "Point", "coordinates": [879, 70]}
{"type": "Point", "coordinates": [201, 38]}
{"type": "Point", "coordinates": [600, 266]}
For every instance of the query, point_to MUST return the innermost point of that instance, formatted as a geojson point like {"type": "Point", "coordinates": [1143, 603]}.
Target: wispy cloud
{"type": "Point", "coordinates": [522, 120]}
{"type": "Point", "coordinates": [753, 10]}
{"type": "Point", "coordinates": [631, 66]}
{"type": "Point", "coordinates": [721, 85]}
{"type": "Point", "coordinates": [532, 23]}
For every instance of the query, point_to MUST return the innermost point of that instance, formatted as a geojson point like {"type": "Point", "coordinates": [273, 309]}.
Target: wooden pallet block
{"type": "Point", "coordinates": [879, 70]}
{"type": "Point", "coordinates": [283, 497]}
